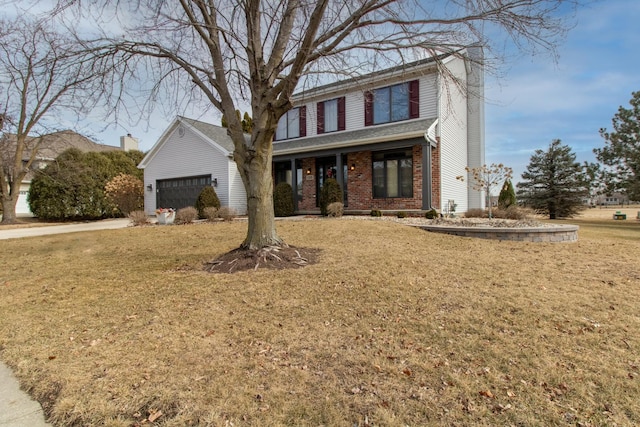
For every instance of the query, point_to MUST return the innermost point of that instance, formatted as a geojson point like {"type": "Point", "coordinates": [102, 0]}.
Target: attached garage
{"type": "Point", "coordinates": [189, 156]}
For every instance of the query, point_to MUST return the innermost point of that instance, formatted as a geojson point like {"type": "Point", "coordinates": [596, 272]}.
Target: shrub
{"type": "Point", "coordinates": [73, 187]}
{"type": "Point", "coordinates": [186, 215]}
{"type": "Point", "coordinates": [401, 214]}
{"type": "Point", "coordinates": [283, 200]}
{"type": "Point", "coordinates": [335, 209]}
{"type": "Point", "coordinates": [330, 193]}
{"type": "Point", "coordinates": [507, 196]}
{"type": "Point", "coordinates": [476, 213]}
{"type": "Point", "coordinates": [376, 212]}
{"type": "Point", "coordinates": [139, 218]}
{"type": "Point", "coordinates": [431, 214]}
{"type": "Point", "coordinates": [206, 199]}
{"type": "Point", "coordinates": [126, 192]}
{"type": "Point", "coordinates": [227, 213]}
{"type": "Point", "coordinates": [514, 212]}
{"type": "Point", "coordinates": [210, 213]}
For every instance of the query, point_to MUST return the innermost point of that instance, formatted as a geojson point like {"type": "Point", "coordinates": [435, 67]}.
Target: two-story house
{"type": "Point", "coordinates": [394, 139]}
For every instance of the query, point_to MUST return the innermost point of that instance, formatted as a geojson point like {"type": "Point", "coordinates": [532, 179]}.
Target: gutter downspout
{"type": "Point", "coordinates": [431, 142]}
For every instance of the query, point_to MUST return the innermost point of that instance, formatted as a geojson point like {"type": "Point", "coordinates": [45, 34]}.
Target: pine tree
{"type": "Point", "coordinates": [554, 183]}
{"type": "Point", "coordinates": [622, 150]}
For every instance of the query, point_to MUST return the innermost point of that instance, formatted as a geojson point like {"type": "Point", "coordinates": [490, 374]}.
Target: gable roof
{"type": "Point", "coordinates": [216, 136]}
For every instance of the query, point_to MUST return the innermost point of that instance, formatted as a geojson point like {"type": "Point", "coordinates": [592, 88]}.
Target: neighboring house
{"type": "Point", "coordinates": [189, 156]}
{"type": "Point", "coordinates": [394, 139]}
{"type": "Point", "coordinates": [51, 146]}
{"type": "Point", "coordinates": [612, 199]}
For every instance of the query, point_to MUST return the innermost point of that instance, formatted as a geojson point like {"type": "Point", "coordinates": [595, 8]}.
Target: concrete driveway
{"type": "Point", "coordinates": [106, 224]}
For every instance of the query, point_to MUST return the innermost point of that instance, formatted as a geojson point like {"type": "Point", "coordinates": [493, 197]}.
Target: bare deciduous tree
{"type": "Point", "coordinates": [42, 73]}
{"type": "Point", "coordinates": [257, 52]}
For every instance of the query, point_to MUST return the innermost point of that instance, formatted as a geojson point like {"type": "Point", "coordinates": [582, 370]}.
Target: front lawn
{"type": "Point", "coordinates": [394, 326]}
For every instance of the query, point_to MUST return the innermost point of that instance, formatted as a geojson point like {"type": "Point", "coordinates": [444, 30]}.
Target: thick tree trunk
{"type": "Point", "coordinates": [258, 184]}
{"type": "Point", "coordinates": [9, 210]}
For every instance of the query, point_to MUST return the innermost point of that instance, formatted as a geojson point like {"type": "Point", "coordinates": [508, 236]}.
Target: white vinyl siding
{"type": "Point", "coordinates": [190, 155]}
{"type": "Point", "coordinates": [354, 105]}
{"type": "Point", "coordinates": [453, 139]}
{"type": "Point", "coordinates": [428, 96]}
{"type": "Point", "coordinates": [476, 143]}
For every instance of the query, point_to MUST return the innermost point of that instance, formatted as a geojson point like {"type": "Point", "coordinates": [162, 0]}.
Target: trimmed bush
{"type": "Point", "coordinates": [376, 212]}
{"type": "Point", "coordinates": [227, 213]}
{"type": "Point", "coordinates": [138, 218]}
{"type": "Point", "coordinates": [330, 193]}
{"type": "Point", "coordinates": [401, 214]}
{"type": "Point", "coordinates": [283, 200]}
{"type": "Point", "coordinates": [431, 214]}
{"type": "Point", "coordinates": [507, 196]}
{"type": "Point", "coordinates": [186, 215]}
{"type": "Point", "coordinates": [210, 213]}
{"type": "Point", "coordinates": [335, 209]}
{"type": "Point", "coordinates": [207, 198]}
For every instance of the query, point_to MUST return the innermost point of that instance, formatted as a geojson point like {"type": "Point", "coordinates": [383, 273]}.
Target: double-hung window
{"type": "Point", "coordinates": [393, 174]}
{"type": "Point", "coordinates": [292, 124]}
{"type": "Point", "coordinates": [392, 103]}
{"type": "Point", "coordinates": [331, 115]}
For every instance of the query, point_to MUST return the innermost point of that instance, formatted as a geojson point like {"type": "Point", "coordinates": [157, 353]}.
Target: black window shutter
{"type": "Point", "coordinates": [341, 114]}
{"type": "Point", "coordinates": [320, 116]}
{"type": "Point", "coordinates": [414, 99]}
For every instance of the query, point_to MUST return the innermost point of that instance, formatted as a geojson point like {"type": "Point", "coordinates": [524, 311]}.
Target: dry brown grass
{"type": "Point", "coordinates": [394, 326]}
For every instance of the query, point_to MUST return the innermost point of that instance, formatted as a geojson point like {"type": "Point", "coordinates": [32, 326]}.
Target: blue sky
{"type": "Point", "coordinates": [536, 100]}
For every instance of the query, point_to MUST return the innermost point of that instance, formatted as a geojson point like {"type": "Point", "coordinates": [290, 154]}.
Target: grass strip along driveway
{"type": "Point", "coordinates": [393, 326]}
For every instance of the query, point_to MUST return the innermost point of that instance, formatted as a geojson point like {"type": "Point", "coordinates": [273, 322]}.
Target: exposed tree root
{"type": "Point", "coordinates": [270, 257]}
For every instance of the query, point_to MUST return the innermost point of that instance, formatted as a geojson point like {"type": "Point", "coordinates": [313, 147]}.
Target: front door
{"type": "Point", "coordinates": [325, 169]}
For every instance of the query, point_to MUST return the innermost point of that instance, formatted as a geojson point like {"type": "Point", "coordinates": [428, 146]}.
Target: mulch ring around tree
{"type": "Point", "coordinates": [270, 257]}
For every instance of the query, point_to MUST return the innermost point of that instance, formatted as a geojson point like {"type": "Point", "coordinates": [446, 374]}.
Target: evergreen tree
{"type": "Point", "coordinates": [622, 150]}
{"type": "Point", "coordinates": [73, 187]}
{"type": "Point", "coordinates": [554, 183]}
{"type": "Point", "coordinates": [329, 193]}
{"type": "Point", "coordinates": [208, 198]}
{"type": "Point", "coordinates": [507, 196]}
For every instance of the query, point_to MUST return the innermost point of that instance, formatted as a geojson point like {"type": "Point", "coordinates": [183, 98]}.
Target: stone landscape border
{"type": "Point", "coordinates": [554, 234]}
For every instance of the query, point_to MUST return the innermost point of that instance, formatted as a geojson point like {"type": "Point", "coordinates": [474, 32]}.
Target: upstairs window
{"type": "Point", "coordinates": [331, 116]}
{"type": "Point", "coordinates": [293, 124]}
{"type": "Point", "coordinates": [392, 103]}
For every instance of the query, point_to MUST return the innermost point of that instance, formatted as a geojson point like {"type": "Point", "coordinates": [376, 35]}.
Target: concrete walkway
{"type": "Point", "coordinates": [17, 409]}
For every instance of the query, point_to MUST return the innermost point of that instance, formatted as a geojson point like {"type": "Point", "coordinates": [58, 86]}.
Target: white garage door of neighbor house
{"type": "Point", "coordinates": [179, 193]}
{"type": "Point", "coordinates": [22, 207]}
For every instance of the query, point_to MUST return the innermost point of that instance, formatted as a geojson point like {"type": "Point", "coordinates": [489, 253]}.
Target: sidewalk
{"type": "Point", "coordinates": [17, 409]}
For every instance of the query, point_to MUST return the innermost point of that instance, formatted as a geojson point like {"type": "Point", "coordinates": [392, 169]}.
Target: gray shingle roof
{"type": "Point", "coordinates": [390, 132]}
{"type": "Point", "coordinates": [215, 133]}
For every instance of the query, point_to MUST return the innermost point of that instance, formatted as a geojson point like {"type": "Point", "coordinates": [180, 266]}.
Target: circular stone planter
{"type": "Point", "coordinates": [558, 233]}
